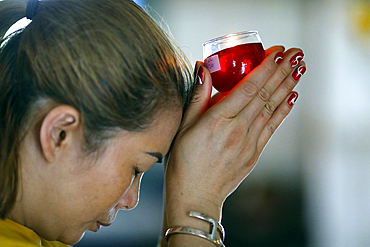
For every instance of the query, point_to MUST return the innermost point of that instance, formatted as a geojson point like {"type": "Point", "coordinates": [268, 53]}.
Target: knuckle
{"type": "Point", "coordinates": [285, 72]}
{"type": "Point", "coordinates": [284, 111]}
{"type": "Point", "coordinates": [290, 84]}
{"type": "Point", "coordinates": [271, 129]}
{"type": "Point", "coordinates": [218, 122]}
{"type": "Point", "coordinates": [235, 138]}
{"type": "Point", "coordinates": [196, 98]}
{"type": "Point", "coordinates": [249, 89]}
{"type": "Point", "coordinates": [270, 107]}
{"type": "Point", "coordinates": [264, 94]}
{"type": "Point", "coordinates": [269, 70]}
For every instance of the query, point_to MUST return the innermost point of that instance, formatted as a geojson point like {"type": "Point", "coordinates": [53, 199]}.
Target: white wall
{"type": "Point", "coordinates": [336, 120]}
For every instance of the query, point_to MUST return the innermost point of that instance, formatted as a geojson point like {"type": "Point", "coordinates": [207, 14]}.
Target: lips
{"type": "Point", "coordinates": [99, 224]}
{"type": "Point", "coordinates": [96, 227]}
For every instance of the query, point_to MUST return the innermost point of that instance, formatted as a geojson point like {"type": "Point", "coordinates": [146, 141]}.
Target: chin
{"type": "Point", "coordinates": [72, 238]}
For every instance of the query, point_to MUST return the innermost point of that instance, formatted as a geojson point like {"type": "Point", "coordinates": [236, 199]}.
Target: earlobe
{"type": "Point", "coordinates": [58, 125]}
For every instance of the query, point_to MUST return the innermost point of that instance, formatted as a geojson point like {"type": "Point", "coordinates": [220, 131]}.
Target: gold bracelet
{"type": "Point", "coordinates": [199, 233]}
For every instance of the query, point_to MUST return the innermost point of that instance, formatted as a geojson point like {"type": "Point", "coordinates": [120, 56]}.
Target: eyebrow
{"type": "Point", "coordinates": [157, 155]}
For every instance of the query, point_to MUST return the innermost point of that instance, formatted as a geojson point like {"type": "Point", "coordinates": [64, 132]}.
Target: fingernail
{"type": "Point", "coordinates": [200, 75]}
{"type": "Point", "coordinates": [293, 98]}
{"type": "Point", "coordinates": [278, 57]}
{"type": "Point", "coordinates": [294, 61]}
{"type": "Point", "coordinates": [297, 74]}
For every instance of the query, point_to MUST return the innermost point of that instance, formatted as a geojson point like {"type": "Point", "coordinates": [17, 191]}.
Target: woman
{"type": "Point", "coordinates": [92, 94]}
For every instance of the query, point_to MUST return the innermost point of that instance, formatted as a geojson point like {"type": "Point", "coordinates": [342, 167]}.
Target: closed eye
{"type": "Point", "coordinates": [157, 155]}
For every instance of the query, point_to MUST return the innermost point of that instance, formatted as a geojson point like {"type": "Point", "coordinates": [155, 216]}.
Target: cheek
{"type": "Point", "coordinates": [113, 190]}
{"type": "Point", "coordinates": [99, 192]}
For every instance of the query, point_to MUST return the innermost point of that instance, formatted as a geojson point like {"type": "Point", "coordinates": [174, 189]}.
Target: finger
{"type": "Point", "coordinates": [201, 96]}
{"type": "Point", "coordinates": [285, 88]}
{"type": "Point", "coordinates": [277, 87]}
{"type": "Point", "coordinates": [248, 87]}
{"type": "Point", "coordinates": [276, 99]}
{"type": "Point", "coordinates": [216, 98]}
{"type": "Point", "coordinates": [277, 118]}
{"type": "Point", "coordinates": [272, 49]}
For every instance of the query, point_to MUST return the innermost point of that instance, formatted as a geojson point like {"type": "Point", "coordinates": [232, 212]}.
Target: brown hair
{"type": "Point", "coordinates": [108, 59]}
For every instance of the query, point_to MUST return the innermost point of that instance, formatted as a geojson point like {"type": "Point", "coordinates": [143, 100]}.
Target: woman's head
{"type": "Point", "coordinates": [64, 192]}
{"type": "Point", "coordinates": [107, 60]}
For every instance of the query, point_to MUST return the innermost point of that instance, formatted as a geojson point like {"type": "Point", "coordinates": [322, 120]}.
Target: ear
{"type": "Point", "coordinates": [58, 128]}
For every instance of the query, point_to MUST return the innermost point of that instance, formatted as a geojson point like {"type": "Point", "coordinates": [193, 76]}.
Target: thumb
{"type": "Point", "coordinates": [200, 97]}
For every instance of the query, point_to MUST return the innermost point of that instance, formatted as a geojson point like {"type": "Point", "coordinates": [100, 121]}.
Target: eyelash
{"type": "Point", "coordinates": [137, 171]}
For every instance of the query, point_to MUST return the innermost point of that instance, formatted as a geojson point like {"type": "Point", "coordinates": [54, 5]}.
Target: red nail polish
{"type": "Point", "coordinates": [293, 98]}
{"type": "Point", "coordinates": [278, 57]}
{"type": "Point", "coordinates": [200, 76]}
{"type": "Point", "coordinates": [297, 74]}
{"type": "Point", "coordinates": [294, 61]}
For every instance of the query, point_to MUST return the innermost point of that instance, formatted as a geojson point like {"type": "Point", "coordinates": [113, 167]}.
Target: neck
{"type": "Point", "coordinates": [16, 214]}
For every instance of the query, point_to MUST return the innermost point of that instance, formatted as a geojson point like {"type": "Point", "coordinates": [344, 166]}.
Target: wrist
{"type": "Point", "coordinates": [177, 214]}
{"type": "Point", "coordinates": [180, 200]}
{"type": "Point", "coordinates": [177, 211]}
{"type": "Point", "coordinates": [214, 235]}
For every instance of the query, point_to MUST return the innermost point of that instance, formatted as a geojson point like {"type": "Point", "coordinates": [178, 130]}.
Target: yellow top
{"type": "Point", "coordinates": [13, 234]}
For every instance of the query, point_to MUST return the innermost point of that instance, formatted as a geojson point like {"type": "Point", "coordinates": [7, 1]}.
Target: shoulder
{"type": "Point", "coordinates": [53, 244]}
{"type": "Point", "coordinates": [13, 234]}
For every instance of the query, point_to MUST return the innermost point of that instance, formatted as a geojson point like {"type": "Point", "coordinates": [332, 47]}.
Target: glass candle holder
{"type": "Point", "coordinates": [230, 58]}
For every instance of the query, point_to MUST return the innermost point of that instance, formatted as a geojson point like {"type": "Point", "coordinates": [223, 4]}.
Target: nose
{"type": "Point", "coordinates": [131, 197]}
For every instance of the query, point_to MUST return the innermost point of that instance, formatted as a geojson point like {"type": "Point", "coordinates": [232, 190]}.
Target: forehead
{"type": "Point", "coordinates": [165, 125]}
{"type": "Point", "coordinates": [157, 138]}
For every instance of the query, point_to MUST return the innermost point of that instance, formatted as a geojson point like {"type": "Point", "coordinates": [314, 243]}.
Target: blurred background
{"type": "Point", "coordinates": [311, 186]}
